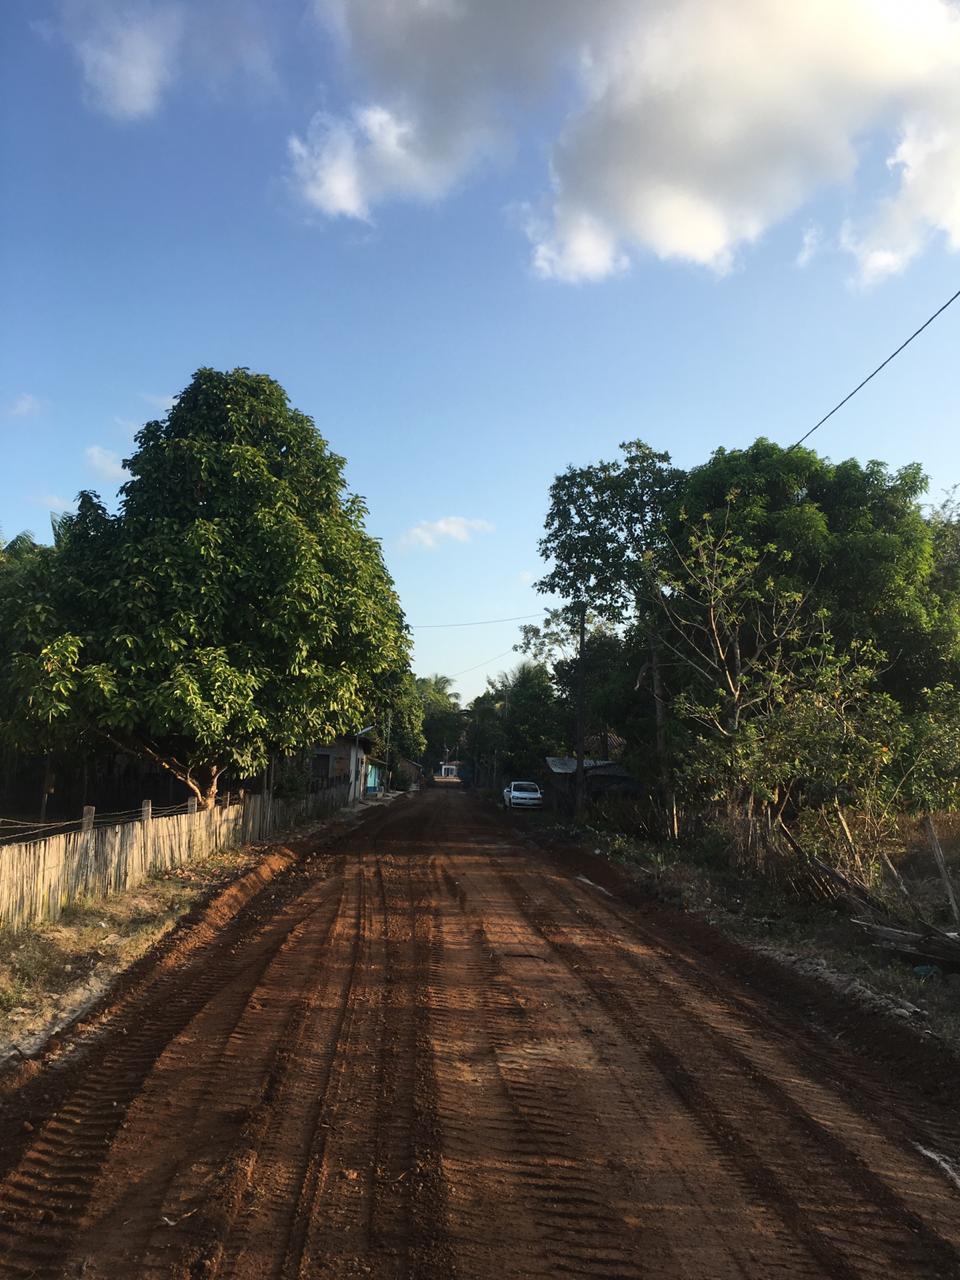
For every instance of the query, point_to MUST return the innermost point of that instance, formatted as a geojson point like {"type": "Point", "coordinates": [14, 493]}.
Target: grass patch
{"type": "Point", "coordinates": [42, 964]}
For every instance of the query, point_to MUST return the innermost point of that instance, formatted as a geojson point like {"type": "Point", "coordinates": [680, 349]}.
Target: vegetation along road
{"type": "Point", "coordinates": [429, 1051]}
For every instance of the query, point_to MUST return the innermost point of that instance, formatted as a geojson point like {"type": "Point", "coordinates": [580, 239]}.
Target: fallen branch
{"type": "Point", "coordinates": [916, 937]}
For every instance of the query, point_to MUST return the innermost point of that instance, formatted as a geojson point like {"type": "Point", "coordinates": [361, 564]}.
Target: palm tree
{"type": "Point", "coordinates": [18, 548]}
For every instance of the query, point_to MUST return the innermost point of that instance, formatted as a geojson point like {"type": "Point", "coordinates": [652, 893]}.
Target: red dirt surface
{"type": "Point", "coordinates": [433, 1052]}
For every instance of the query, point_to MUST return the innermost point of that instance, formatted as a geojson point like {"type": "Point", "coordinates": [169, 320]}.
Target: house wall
{"type": "Point", "coordinates": [344, 759]}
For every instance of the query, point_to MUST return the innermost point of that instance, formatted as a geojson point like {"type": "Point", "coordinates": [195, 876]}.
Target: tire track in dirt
{"type": "Point", "coordinates": [182, 1018]}
{"type": "Point", "coordinates": [905, 1119]}
{"type": "Point", "coordinates": [846, 1215]}
{"type": "Point", "coordinates": [262, 1235]}
{"type": "Point", "coordinates": [625, 1114]}
{"type": "Point", "coordinates": [821, 1110]}
{"type": "Point", "coordinates": [51, 1186]}
{"type": "Point", "coordinates": [193, 1117]}
{"type": "Point", "coordinates": [513, 1124]}
{"type": "Point", "coordinates": [445, 1059]}
{"type": "Point", "coordinates": [344, 1180]}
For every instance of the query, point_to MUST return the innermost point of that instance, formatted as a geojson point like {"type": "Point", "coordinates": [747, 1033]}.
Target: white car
{"type": "Point", "coordinates": [522, 795]}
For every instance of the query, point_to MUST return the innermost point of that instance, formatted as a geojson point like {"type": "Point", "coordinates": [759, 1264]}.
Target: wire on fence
{"type": "Point", "coordinates": [15, 831]}
{"type": "Point", "coordinates": [37, 833]}
{"type": "Point", "coordinates": [33, 822]}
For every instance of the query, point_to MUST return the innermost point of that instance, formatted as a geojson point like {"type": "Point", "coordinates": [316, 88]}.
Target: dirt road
{"type": "Point", "coordinates": [431, 1053]}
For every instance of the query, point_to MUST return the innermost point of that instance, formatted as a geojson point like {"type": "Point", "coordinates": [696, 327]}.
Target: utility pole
{"type": "Point", "coordinates": [578, 796]}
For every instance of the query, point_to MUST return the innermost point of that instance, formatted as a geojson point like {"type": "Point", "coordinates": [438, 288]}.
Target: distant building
{"type": "Point", "coordinates": [600, 777]}
{"type": "Point", "coordinates": [605, 745]}
{"type": "Point", "coordinates": [347, 759]}
{"type": "Point", "coordinates": [448, 773]}
{"type": "Point", "coordinates": [410, 772]}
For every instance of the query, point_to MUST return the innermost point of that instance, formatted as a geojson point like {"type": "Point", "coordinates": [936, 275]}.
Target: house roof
{"type": "Point", "coordinates": [342, 743]}
{"type": "Point", "coordinates": [612, 770]}
{"type": "Point", "coordinates": [568, 764]}
{"type": "Point", "coordinates": [596, 768]}
{"type": "Point", "coordinates": [614, 743]}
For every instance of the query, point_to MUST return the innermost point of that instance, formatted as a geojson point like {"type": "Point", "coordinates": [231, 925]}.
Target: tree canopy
{"type": "Point", "coordinates": [853, 537]}
{"type": "Point", "coordinates": [791, 624]}
{"type": "Point", "coordinates": [442, 719]}
{"type": "Point", "coordinates": [234, 605]}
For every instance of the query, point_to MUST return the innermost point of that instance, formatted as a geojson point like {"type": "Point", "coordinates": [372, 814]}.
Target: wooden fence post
{"type": "Point", "coordinates": [193, 835]}
{"type": "Point", "coordinates": [146, 817]}
{"type": "Point", "coordinates": [84, 877]}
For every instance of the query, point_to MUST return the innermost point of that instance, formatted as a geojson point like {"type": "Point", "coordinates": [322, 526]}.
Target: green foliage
{"type": "Point", "coordinates": [604, 530]}
{"type": "Point", "coordinates": [234, 606]}
{"type": "Point", "coordinates": [932, 776]}
{"type": "Point", "coordinates": [514, 725]}
{"type": "Point", "coordinates": [401, 713]}
{"type": "Point", "coordinates": [531, 723]}
{"type": "Point", "coordinates": [854, 540]}
{"type": "Point", "coordinates": [442, 719]}
{"type": "Point", "coordinates": [776, 622]}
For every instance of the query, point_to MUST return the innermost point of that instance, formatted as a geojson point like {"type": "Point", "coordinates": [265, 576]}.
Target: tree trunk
{"type": "Point", "coordinates": [204, 785]}
{"type": "Point", "coordinates": [578, 793]}
{"type": "Point", "coordinates": [663, 758]}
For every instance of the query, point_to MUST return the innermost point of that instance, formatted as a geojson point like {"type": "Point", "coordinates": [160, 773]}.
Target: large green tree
{"type": "Point", "coordinates": [442, 719]}
{"type": "Point", "coordinates": [774, 603]}
{"type": "Point", "coordinates": [512, 727]}
{"type": "Point", "coordinates": [530, 717]}
{"type": "Point", "coordinates": [606, 541]}
{"type": "Point", "coordinates": [854, 538]}
{"type": "Point", "coordinates": [234, 605]}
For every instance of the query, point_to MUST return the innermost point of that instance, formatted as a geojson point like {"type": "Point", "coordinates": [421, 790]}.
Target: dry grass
{"type": "Point", "coordinates": [41, 965]}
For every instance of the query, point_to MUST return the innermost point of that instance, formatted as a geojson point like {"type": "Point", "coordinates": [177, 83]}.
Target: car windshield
{"type": "Point", "coordinates": [527, 786]}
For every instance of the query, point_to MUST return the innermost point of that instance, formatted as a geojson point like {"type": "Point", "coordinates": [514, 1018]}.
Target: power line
{"type": "Point", "coordinates": [485, 662]}
{"type": "Point", "coordinates": [486, 622]}
{"type": "Point", "coordinates": [890, 357]}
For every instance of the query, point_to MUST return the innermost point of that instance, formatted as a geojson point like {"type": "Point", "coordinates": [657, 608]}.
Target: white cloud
{"type": "Point", "coordinates": [53, 503]}
{"type": "Point", "coordinates": [580, 248]}
{"type": "Point", "coordinates": [927, 163]}
{"type": "Point", "coordinates": [430, 533]}
{"type": "Point", "coordinates": [342, 167]}
{"type": "Point", "coordinates": [24, 406]}
{"type": "Point", "coordinates": [107, 464]}
{"type": "Point", "coordinates": [131, 52]}
{"type": "Point", "coordinates": [128, 52]}
{"type": "Point", "coordinates": [695, 126]}
{"type": "Point", "coordinates": [812, 242]}
{"type": "Point", "coordinates": [161, 403]}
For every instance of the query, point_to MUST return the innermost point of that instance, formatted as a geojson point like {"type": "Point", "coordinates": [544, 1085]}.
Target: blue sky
{"type": "Point", "coordinates": [450, 243]}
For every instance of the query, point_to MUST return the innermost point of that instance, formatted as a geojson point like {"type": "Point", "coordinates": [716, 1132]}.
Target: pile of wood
{"type": "Point", "coordinates": [925, 941]}
{"type": "Point", "coordinates": [919, 937]}
{"type": "Point", "coordinates": [907, 933]}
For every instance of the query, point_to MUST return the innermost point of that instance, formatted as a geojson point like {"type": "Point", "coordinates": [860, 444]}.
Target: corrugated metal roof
{"type": "Point", "coordinates": [568, 764]}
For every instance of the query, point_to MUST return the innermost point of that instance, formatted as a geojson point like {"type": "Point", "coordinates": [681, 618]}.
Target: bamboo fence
{"type": "Point", "coordinates": [40, 877]}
